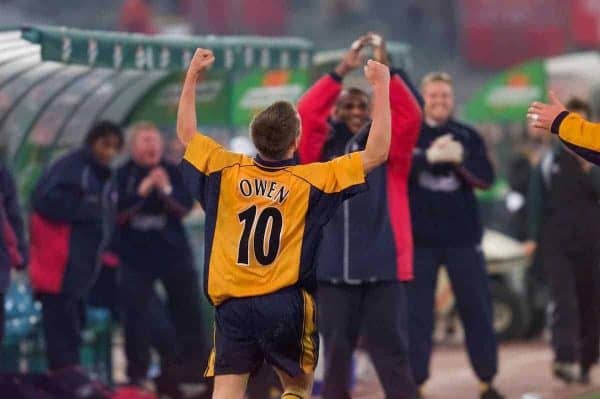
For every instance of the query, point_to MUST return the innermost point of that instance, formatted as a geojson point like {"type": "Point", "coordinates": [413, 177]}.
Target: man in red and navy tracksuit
{"type": "Point", "coordinates": [73, 207]}
{"type": "Point", "coordinates": [366, 251]}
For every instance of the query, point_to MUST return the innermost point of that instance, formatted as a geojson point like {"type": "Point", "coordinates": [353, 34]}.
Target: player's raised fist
{"type": "Point", "coordinates": [202, 60]}
{"type": "Point", "coordinates": [376, 73]}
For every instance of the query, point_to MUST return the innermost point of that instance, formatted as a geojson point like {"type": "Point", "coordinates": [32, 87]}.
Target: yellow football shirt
{"type": "Point", "coordinates": [263, 219]}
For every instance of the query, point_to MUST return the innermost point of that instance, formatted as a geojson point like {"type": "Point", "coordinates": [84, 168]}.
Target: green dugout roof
{"type": "Point", "coordinates": [56, 82]}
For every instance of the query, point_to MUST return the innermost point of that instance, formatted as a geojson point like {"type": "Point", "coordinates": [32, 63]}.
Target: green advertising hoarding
{"type": "Point", "coordinates": [256, 90]}
{"type": "Point", "coordinates": [160, 104]}
{"type": "Point", "coordinates": [507, 96]}
{"type": "Point", "coordinates": [222, 100]}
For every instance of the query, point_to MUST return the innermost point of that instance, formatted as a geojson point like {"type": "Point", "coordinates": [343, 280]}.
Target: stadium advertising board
{"type": "Point", "coordinates": [507, 96]}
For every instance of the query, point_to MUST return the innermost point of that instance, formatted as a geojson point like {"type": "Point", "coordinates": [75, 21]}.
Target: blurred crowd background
{"type": "Point", "coordinates": [473, 40]}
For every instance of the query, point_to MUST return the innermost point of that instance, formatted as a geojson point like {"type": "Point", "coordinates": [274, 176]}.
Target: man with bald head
{"type": "Point", "coordinates": [152, 245]}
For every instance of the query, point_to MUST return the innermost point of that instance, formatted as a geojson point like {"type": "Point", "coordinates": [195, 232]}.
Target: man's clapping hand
{"type": "Point", "coordinates": [445, 150]}
{"type": "Point", "coordinates": [157, 178]}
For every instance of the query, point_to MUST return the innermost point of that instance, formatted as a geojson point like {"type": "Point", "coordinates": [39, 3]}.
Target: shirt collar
{"type": "Point", "coordinates": [274, 164]}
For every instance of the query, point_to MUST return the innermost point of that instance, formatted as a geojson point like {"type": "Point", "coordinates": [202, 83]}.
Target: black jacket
{"type": "Point", "coordinates": [567, 203]}
{"type": "Point", "coordinates": [72, 219]}
{"type": "Point", "coordinates": [443, 206]}
{"type": "Point", "coordinates": [150, 235]}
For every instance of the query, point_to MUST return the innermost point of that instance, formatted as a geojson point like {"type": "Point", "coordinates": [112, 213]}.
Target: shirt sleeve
{"type": "Point", "coordinates": [207, 156]}
{"type": "Point", "coordinates": [61, 197]}
{"type": "Point", "coordinates": [342, 175]}
{"type": "Point", "coordinates": [333, 182]}
{"type": "Point", "coordinates": [203, 157]}
{"type": "Point", "coordinates": [579, 135]}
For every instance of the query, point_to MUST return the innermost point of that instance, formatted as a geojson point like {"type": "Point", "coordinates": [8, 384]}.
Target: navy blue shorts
{"type": "Point", "coordinates": [279, 328]}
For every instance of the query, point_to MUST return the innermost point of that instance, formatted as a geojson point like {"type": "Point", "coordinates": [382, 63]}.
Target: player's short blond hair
{"type": "Point", "coordinates": [432, 77]}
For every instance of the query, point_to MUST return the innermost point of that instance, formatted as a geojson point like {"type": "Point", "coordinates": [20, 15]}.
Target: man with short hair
{"type": "Point", "coordinates": [449, 162]}
{"type": "Point", "coordinates": [365, 257]}
{"type": "Point", "coordinates": [71, 223]}
{"type": "Point", "coordinates": [264, 218]}
{"type": "Point", "coordinates": [152, 245]}
{"type": "Point", "coordinates": [569, 246]}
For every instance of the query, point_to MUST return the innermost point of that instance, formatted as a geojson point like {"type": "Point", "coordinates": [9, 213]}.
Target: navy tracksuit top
{"type": "Point", "coordinates": [442, 202]}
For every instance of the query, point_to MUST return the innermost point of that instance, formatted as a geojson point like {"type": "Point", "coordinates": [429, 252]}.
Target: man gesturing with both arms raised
{"type": "Point", "coordinates": [260, 245]}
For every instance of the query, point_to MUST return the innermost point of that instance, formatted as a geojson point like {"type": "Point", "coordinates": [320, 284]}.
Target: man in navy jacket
{"type": "Point", "coordinates": [365, 255]}
{"type": "Point", "coordinates": [13, 246]}
{"type": "Point", "coordinates": [70, 224]}
{"type": "Point", "coordinates": [152, 245]}
{"type": "Point", "coordinates": [449, 162]}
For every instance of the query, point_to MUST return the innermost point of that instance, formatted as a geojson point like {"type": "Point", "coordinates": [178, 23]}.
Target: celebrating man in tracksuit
{"type": "Point", "coordinates": [71, 223]}
{"type": "Point", "coordinates": [449, 162]}
{"type": "Point", "coordinates": [366, 250]}
{"type": "Point", "coordinates": [152, 245]}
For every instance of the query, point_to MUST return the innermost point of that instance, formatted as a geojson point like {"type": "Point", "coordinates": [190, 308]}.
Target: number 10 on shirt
{"type": "Point", "coordinates": [261, 230]}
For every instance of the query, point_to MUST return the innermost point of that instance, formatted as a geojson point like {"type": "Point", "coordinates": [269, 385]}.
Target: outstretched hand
{"type": "Point", "coordinates": [542, 115]}
{"type": "Point", "coordinates": [352, 59]}
{"type": "Point", "coordinates": [380, 53]}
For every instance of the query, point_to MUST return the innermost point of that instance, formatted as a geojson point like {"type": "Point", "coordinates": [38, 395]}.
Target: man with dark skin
{"type": "Point", "coordinates": [365, 257]}
{"type": "Point", "coordinates": [73, 205]}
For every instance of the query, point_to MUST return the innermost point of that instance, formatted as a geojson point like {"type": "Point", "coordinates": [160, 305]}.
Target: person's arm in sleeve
{"type": "Point", "coordinates": [572, 128]}
{"type": "Point", "coordinates": [316, 104]}
{"type": "Point", "coordinates": [187, 125]}
{"type": "Point", "coordinates": [178, 200]}
{"type": "Point", "coordinates": [579, 135]}
{"type": "Point", "coordinates": [344, 176]}
{"type": "Point", "coordinates": [129, 202]}
{"type": "Point", "coordinates": [60, 195]}
{"type": "Point", "coordinates": [406, 122]}
{"type": "Point", "coordinates": [14, 215]}
{"type": "Point", "coordinates": [476, 168]}
{"type": "Point", "coordinates": [377, 149]}
{"type": "Point", "coordinates": [314, 109]}
{"type": "Point", "coordinates": [403, 75]}
{"type": "Point", "coordinates": [203, 155]}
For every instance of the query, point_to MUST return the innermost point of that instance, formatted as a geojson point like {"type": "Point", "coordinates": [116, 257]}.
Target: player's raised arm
{"type": "Point", "coordinates": [578, 134]}
{"type": "Point", "coordinates": [186, 113]}
{"type": "Point", "coordinates": [378, 144]}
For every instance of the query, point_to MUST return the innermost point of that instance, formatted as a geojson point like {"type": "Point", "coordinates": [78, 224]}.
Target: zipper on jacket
{"type": "Point", "coordinates": [107, 229]}
{"type": "Point", "coordinates": [346, 207]}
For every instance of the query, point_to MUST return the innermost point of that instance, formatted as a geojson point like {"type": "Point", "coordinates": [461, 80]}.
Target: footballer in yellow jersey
{"type": "Point", "coordinates": [575, 132]}
{"type": "Point", "coordinates": [264, 217]}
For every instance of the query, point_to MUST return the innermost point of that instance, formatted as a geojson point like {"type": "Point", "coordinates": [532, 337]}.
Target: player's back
{"type": "Point", "coordinates": [263, 219]}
